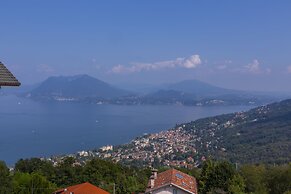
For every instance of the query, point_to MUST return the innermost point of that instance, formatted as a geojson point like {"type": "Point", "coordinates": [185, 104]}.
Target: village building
{"type": "Point", "coordinates": [171, 182]}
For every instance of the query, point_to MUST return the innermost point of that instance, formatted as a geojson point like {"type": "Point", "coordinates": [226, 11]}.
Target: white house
{"type": "Point", "coordinates": [171, 182]}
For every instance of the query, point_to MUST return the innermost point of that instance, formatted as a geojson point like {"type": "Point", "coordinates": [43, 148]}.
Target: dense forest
{"type": "Point", "coordinates": [214, 177]}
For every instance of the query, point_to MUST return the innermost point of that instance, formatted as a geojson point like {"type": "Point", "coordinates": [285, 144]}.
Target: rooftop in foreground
{"type": "Point", "coordinates": [175, 178]}
{"type": "Point", "coordinates": [84, 188]}
{"type": "Point", "coordinates": [6, 77]}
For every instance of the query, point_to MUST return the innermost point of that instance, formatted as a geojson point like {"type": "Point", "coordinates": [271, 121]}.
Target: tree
{"type": "Point", "coordinates": [25, 183]}
{"type": "Point", "coordinates": [5, 179]}
{"type": "Point", "coordinates": [279, 179]}
{"type": "Point", "coordinates": [105, 174]}
{"type": "Point", "coordinates": [66, 173]}
{"type": "Point", "coordinates": [36, 165]}
{"type": "Point", "coordinates": [220, 177]}
{"type": "Point", "coordinates": [236, 185]}
{"type": "Point", "coordinates": [207, 169]}
{"type": "Point", "coordinates": [254, 177]}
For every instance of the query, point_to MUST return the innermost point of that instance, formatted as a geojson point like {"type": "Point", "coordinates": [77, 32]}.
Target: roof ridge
{"type": "Point", "coordinates": [81, 185]}
{"type": "Point", "coordinates": [86, 186]}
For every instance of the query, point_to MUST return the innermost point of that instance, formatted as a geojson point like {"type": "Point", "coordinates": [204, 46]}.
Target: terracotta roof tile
{"type": "Point", "coordinates": [175, 178]}
{"type": "Point", "coordinates": [6, 77]}
{"type": "Point", "coordinates": [84, 188]}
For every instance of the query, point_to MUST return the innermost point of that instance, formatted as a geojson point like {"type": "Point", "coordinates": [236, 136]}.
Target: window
{"type": "Point", "coordinates": [175, 191]}
{"type": "Point", "coordinates": [179, 176]}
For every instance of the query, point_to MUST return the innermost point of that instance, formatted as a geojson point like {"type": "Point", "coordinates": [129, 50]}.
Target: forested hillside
{"type": "Point", "coordinates": [262, 134]}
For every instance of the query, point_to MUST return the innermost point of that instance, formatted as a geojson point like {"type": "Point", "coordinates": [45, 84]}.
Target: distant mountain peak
{"type": "Point", "coordinates": [198, 88]}
{"type": "Point", "coordinates": [76, 86]}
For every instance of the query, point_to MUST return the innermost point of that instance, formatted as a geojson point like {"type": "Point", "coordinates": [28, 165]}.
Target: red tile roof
{"type": "Point", "coordinates": [175, 178]}
{"type": "Point", "coordinates": [84, 188]}
{"type": "Point", "coordinates": [6, 77]}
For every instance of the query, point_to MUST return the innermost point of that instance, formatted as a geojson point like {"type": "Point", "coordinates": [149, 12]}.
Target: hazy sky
{"type": "Point", "coordinates": [236, 44]}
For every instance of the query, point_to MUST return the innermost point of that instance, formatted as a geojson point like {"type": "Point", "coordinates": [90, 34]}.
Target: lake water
{"type": "Point", "coordinates": [34, 129]}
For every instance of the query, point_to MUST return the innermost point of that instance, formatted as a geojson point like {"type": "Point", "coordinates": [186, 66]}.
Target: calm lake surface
{"type": "Point", "coordinates": [34, 129]}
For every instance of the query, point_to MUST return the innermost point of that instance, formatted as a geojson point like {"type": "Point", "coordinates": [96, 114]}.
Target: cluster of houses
{"type": "Point", "coordinates": [163, 147]}
{"type": "Point", "coordinates": [170, 181]}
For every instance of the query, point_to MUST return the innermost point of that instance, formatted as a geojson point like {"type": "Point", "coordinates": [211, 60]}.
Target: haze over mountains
{"type": "Point", "coordinates": [188, 92]}
{"type": "Point", "coordinates": [200, 88]}
{"type": "Point", "coordinates": [79, 86]}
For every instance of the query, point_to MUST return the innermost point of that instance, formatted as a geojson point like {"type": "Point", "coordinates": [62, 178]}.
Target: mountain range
{"type": "Point", "coordinates": [189, 92]}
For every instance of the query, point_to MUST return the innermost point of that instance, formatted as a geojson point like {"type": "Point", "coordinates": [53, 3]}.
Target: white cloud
{"type": "Point", "coordinates": [191, 62]}
{"type": "Point", "coordinates": [254, 67]}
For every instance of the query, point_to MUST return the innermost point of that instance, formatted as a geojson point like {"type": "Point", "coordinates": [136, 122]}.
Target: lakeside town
{"type": "Point", "coordinates": [159, 148]}
{"type": "Point", "coordinates": [186, 145]}
{"type": "Point", "coordinates": [162, 148]}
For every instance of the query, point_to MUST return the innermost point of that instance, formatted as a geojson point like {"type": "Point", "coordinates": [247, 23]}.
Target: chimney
{"type": "Point", "coordinates": [155, 173]}
{"type": "Point", "coordinates": [153, 178]}
{"type": "Point", "coordinates": [152, 182]}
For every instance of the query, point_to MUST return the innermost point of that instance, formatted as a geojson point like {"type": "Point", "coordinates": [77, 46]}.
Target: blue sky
{"type": "Point", "coordinates": [235, 44]}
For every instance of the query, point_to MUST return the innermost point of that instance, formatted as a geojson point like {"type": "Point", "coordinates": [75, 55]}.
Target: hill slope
{"type": "Point", "coordinates": [260, 135]}
{"type": "Point", "coordinates": [194, 92]}
{"type": "Point", "coordinates": [200, 88]}
{"type": "Point", "coordinates": [79, 86]}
